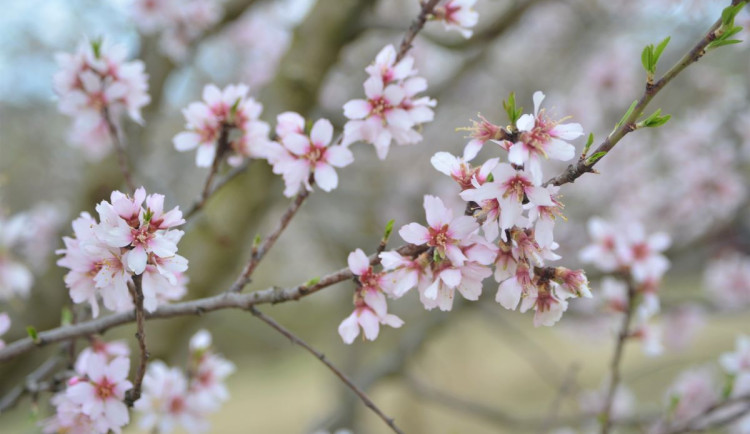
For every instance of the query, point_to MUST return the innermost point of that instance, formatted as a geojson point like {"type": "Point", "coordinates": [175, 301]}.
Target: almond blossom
{"type": "Point", "coordinates": [692, 393]}
{"type": "Point", "coordinates": [95, 80]}
{"type": "Point", "coordinates": [302, 157]}
{"type": "Point", "coordinates": [129, 240]}
{"type": "Point", "coordinates": [461, 171]}
{"type": "Point", "coordinates": [458, 15]}
{"type": "Point", "coordinates": [481, 132]}
{"type": "Point", "coordinates": [444, 233]}
{"type": "Point", "coordinates": [371, 308]}
{"type": "Point", "coordinates": [15, 277]}
{"type": "Point", "coordinates": [392, 109]}
{"type": "Point", "coordinates": [727, 280]}
{"type": "Point", "coordinates": [542, 137]}
{"type": "Point", "coordinates": [738, 361]}
{"type": "Point", "coordinates": [212, 120]}
{"type": "Point", "coordinates": [4, 327]}
{"type": "Point", "coordinates": [176, 399]}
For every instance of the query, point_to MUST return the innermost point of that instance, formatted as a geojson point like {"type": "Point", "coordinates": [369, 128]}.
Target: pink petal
{"type": "Point", "coordinates": [414, 233]}
{"type": "Point", "coordinates": [326, 177]}
{"type": "Point", "coordinates": [322, 132]}
{"type": "Point", "coordinates": [358, 262]}
{"type": "Point", "coordinates": [357, 109]}
{"type": "Point", "coordinates": [436, 213]}
{"type": "Point", "coordinates": [349, 328]}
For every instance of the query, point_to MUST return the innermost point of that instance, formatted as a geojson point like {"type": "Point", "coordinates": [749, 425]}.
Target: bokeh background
{"type": "Point", "coordinates": [479, 368]}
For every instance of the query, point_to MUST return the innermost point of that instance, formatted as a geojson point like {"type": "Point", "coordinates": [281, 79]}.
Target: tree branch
{"type": "Point", "coordinates": [227, 300]}
{"type": "Point", "coordinates": [628, 125]}
{"type": "Point", "coordinates": [614, 366]}
{"type": "Point", "coordinates": [359, 392]}
{"type": "Point", "coordinates": [136, 291]}
{"type": "Point", "coordinates": [415, 28]}
{"type": "Point", "coordinates": [119, 142]}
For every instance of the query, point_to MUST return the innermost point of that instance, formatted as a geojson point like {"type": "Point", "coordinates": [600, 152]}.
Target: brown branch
{"type": "Point", "coordinates": [119, 142]}
{"type": "Point", "coordinates": [415, 28]}
{"type": "Point", "coordinates": [227, 300]}
{"type": "Point", "coordinates": [136, 291]}
{"type": "Point", "coordinates": [359, 392]}
{"type": "Point", "coordinates": [222, 146]}
{"type": "Point", "coordinates": [614, 366]}
{"type": "Point", "coordinates": [628, 125]}
{"type": "Point", "coordinates": [258, 252]}
{"type": "Point", "coordinates": [31, 383]}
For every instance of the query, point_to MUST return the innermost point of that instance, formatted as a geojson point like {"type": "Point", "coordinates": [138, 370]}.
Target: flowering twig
{"type": "Point", "coordinates": [415, 28]}
{"type": "Point", "coordinates": [222, 146]}
{"type": "Point", "coordinates": [259, 251]}
{"type": "Point", "coordinates": [614, 366]}
{"type": "Point", "coordinates": [226, 300]}
{"type": "Point", "coordinates": [136, 291]}
{"type": "Point", "coordinates": [122, 157]}
{"type": "Point", "coordinates": [359, 392]}
{"type": "Point", "coordinates": [695, 423]}
{"type": "Point", "coordinates": [628, 124]}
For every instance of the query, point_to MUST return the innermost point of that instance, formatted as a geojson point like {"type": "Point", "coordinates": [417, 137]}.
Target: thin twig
{"type": "Point", "coordinates": [583, 165]}
{"type": "Point", "coordinates": [698, 423]}
{"type": "Point", "coordinates": [201, 202]}
{"type": "Point", "coordinates": [226, 300]}
{"type": "Point", "coordinates": [415, 27]}
{"type": "Point", "coordinates": [614, 366]}
{"type": "Point", "coordinates": [222, 145]}
{"type": "Point", "coordinates": [119, 142]}
{"type": "Point", "coordinates": [136, 291]}
{"type": "Point", "coordinates": [258, 252]}
{"type": "Point", "coordinates": [31, 383]}
{"type": "Point", "coordinates": [361, 394]}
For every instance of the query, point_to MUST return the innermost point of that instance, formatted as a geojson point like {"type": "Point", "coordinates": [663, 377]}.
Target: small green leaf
{"type": "Point", "coordinates": [31, 330]}
{"type": "Point", "coordinates": [729, 13]}
{"type": "Point", "coordinates": [646, 57]}
{"type": "Point", "coordinates": [655, 120]}
{"type": "Point", "coordinates": [388, 229]}
{"type": "Point", "coordinates": [626, 115]}
{"type": "Point", "coordinates": [490, 177]}
{"type": "Point", "coordinates": [256, 240]}
{"type": "Point", "coordinates": [721, 43]}
{"type": "Point", "coordinates": [594, 158]}
{"type": "Point", "coordinates": [588, 144]}
{"type": "Point", "coordinates": [66, 316]}
{"type": "Point", "coordinates": [726, 391]}
{"type": "Point", "coordinates": [511, 110]}
{"type": "Point", "coordinates": [435, 256]}
{"type": "Point", "coordinates": [660, 48]}
{"type": "Point", "coordinates": [312, 282]}
{"type": "Point", "coordinates": [96, 47]}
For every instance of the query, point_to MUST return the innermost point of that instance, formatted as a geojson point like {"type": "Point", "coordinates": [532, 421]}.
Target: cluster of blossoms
{"type": "Point", "coordinates": [129, 241]}
{"type": "Point", "coordinates": [457, 15]}
{"type": "Point", "coordinates": [179, 22]}
{"type": "Point", "coordinates": [94, 79]}
{"type": "Point", "coordinates": [626, 250]}
{"type": "Point", "coordinates": [174, 399]}
{"type": "Point", "coordinates": [392, 110]}
{"type": "Point", "coordinates": [211, 122]}
{"type": "Point", "coordinates": [92, 402]}
{"type": "Point", "coordinates": [304, 156]}
{"type": "Point", "coordinates": [517, 216]}
{"type": "Point", "coordinates": [728, 280]}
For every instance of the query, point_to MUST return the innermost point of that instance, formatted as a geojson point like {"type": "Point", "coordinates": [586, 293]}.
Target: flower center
{"type": "Point", "coordinates": [105, 389]}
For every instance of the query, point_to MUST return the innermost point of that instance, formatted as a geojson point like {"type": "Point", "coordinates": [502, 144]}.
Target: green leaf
{"type": "Point", "coordinates": [729, 13]}
{"type": "Point", "coordinates": [655, 120]}
{"type": "Point", "coordinates": [96, 47]}
{"type": "Point", "coordinates": [511, 110]}
{"type": "Point", "coordinates": [312, 282]}
{"type": "Point", "coordinates": [388, 229]}
{"type": "Point", "coordinates": [256, 241]}
{"type": "Point", "coordinates": [66, 316]}
{"type": "Point", "coordinates": [660, 48]}
{"type": "Point", "coordinates": [31, 330]}
{"type": "Point", "coordinates": [721, 43]}
{"type": "Point", "coordinates": [594, 158]}
{"type": "Point", "coordinates": [626, 115]}
{"type": "Point", "coordinates": [490, 177]}
{"type": "Point", "coordinates": [646, 57]}
{"type": "Point", "coordinates": [588, 144]}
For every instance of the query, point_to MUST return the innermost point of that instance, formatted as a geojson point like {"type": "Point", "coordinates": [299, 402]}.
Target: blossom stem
{"type": "Point", "coordinates": [201, 202]}
{"type": "Point", "coordinates": [222, 145]}
{"type": "Point", "coordinates": [584, 165]}
{"type": "Point", "coordinates": [136, 291]}
{"type": "Point", "coordinates": [226, 300]}
{"type": "Point", "coordinates": [260, 251]}
{"type": "Point", "coordinates": [416, 26]}
{"type": "Point", "coordinates": [708, 419]}
{"type": "Point", "coordinates": [614, 366]}
{"type": "Point", "coordinates": [320, 356]}
{"type": "Point", "coordinates": [122, 157]}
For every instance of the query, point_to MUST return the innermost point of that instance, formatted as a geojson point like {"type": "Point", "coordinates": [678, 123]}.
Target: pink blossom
{"type": "Point", "coordinates": [219, 112]}
{"type": "Point", "coordinates": [642, 253]}
{"type": "Point", "coordinates": [305, 156]}
{"type": "Point", "coordinates": [549, 303]}
{"type": "Point", "coordinates": [15, 277]}
{"type": "Point", "coordinates": [727, 279]}
{"type": "Point", "coordinates": [165, 403]}
{"type": "Point", "coordinates": [545, 216]}
{"type": "Point", "coordinates": [97, 78]}
{"type": "Point", "coordinates": [99, 348]}
{"type": "Point", "coordinates": [365, 317]}
{"type": "Point", "coordinates": [681, 324]}
{"type": "Point", "coordinates": [445, 233]}
{"type": "Point", "coordinates": [542, 137]}
{"type": "Point", "coordinates": [647, 332]}
{"type": "Point", "coordinates": [100, 394]}
{"type": "Point", "coordinates": [510, 188]}
{"type": "Point", "coordinates": [481, 132]}
{"type": "Point", "coordinates": [458, 15]}
{"type": "Point", "coordinates": [603, 252]}
{"type": "Point", "coordinates": [462, 172]}
{"type": "Point", "coordinates": [738, 361]}
{"type": "Point", "coordinates": [4, 327]}
{"type": "Point", "coordinates": [402, 273]}
{"type": "Point", "coordinates": [692, 393]}
{"type": "Point", "coordinates": [392, 109]}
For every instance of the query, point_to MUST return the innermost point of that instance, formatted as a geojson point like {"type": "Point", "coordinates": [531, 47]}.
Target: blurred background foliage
{"type": "Point", "coordinates": [478, 369]}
